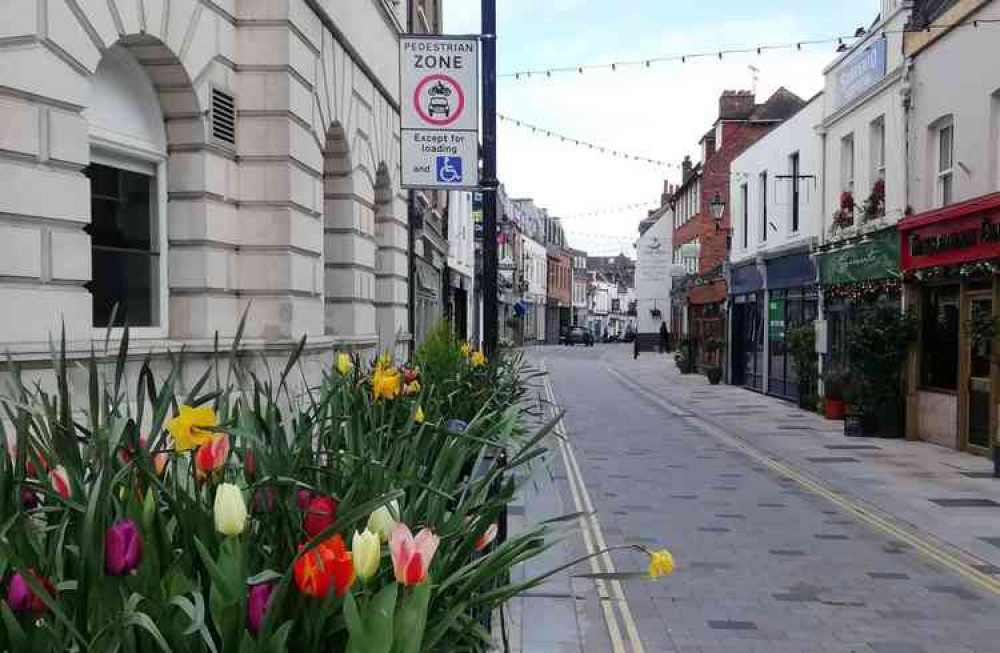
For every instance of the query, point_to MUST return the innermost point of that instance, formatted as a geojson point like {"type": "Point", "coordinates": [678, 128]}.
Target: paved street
{"type": "Point", "coordinates": [794, 539]}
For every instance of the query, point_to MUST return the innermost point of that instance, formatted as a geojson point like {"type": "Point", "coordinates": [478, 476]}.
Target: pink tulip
{"type": "Point", "coordinates": [305, 496]}
{"type": "Point", "coordinates": [258, 600]}
{"type": "Point", "coordinates": [411, 556]}
{"type": "Point", "coordinates": [122, 548]}
{"type": "Point", "coordinates": [211, 457]}
{"type": "Point", "coordinates": [60, 481]}
{"type": "Point", "coordinates": [20, 597]}
{"type": "Point", "coordinates": [487, 537]}
{"type": "Point", "coordinates": [159, 459]}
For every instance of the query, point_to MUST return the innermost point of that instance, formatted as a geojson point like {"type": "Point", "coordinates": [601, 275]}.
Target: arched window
{"type": "Point", "coordinates": [128, 202]}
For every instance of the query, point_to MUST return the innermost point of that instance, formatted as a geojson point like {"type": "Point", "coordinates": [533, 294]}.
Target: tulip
{"type": "Point", "coordinates": [382, 521]}
{"type": "Point", "coordinates": [320, 515]}
{"type": "Point", "coordinates": [210, 457]}
{"type": "Point", "coordinates": [230, 510]}
{"type": "Point", "coordinates": [263, 500]}
{"type": "Point", "coordinates": [159, 459]}
{"type": "Point", "coordinates": [661, 563]}
{"type": "Point", "coordinates": [188, 429]}
{"type": "Point", "coordinates": [59, 480]}
{"type": "Point", "coordinates": [20, 597]}
{"type": "Point", "coordinates": [419, 416]}
{"type": "Point", "coordinates": [29, 465]}
{"type": "Point", "coordinates": [411, 556]}
{"type": "Point", "coordinates": [305, 496]}
{"type": "Point", "coordinates": [478, 358]}
{"type": "Point", "coordinates": [344, 364]}
{"type": "Point", "coordinates": [250, 465]}
{"type": "Point", "coordinates": [411, 375]}
{"type": "Point", "coordinates": [487, 537]}
{"type": "Point", "coordinates": [386, 383]}
{"type": "Point", "coordinates": [326, 565]}
{"type": "Point", "coordinates": [258, 600]}
{"type": "Point", "coordinates": [366, 552]}
{"type": "Point", "coordinates": [122, 548]}
{"type": "Point", "coordinates": [411, 388]}
{"type": "Point", "coordinates": [29, 499]}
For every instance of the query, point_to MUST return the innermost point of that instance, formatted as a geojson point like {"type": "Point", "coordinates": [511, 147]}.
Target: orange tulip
{"type": "Point", "coordinates": [325, 566]}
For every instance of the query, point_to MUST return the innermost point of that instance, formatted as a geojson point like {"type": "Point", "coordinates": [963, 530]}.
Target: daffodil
{"type": "Point", "coordinates": [344, 364]}
{"type": "Point", "coordinates": [419, 416]}
{"type": "Point", "coordinates": [386, 383]}
{"type": "Point", "coordinates": [466, 349]}
{"type": "Point", "coordinates": [478, 358]}
{"type": "Point", "coordinates": [188, 429]}
{"type": "Point", "coordinates": [661, 563]}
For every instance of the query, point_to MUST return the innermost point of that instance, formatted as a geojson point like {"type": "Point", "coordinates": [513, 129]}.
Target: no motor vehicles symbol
{"type": "Point", "coordinates": [439, 100]}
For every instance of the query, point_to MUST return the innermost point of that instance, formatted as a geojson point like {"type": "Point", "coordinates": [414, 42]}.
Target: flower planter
{"type": "Point", "coordinates": [859, 424]}
{"type": "Point", "coordinates": [834, 409]}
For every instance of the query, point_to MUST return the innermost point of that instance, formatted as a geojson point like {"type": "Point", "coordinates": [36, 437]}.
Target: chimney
{"type": "Point", "coordinates": [686, 168]}
{"type": "Point", "coordinates": [668, 190]}
{"type": "Point", "coordinates": [736, 105]}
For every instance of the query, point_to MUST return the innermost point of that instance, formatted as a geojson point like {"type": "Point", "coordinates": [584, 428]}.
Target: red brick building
{"type": "Point", "coordinates": [700, 243]}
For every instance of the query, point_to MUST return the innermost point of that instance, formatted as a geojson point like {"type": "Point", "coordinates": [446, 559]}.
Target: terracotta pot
{"type": "Point", "coordinates": [834, 409]}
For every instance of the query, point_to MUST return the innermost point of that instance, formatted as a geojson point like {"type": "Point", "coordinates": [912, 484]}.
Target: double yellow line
{"type": "Point", "coordinates": [921, 544]}
{"type": "Point", "coordinates": [609, 591]}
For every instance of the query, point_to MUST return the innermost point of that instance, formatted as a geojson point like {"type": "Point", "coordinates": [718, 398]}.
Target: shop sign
{"type": "Point", "coordinates": [859, 73]}
{"type": "Point", "coordinates": [877, 258]}
{"type": "Point", "coordinates": [963, 239]}
{"type": "Point", "coordinates": [776, 320]}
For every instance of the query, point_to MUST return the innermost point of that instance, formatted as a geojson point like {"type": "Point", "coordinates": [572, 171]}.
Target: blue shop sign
{"type": "Point", "coordinates": [746, 279]}
{"type": "Point", "coordinates": [859, 73]}
{"type": "Point", "coordinates": [792, 271]}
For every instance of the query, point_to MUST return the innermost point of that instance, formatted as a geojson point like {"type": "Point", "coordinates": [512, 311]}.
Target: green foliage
{"type": "Point", "coordinates": [834, 382]}
{"type": "Point", "coordinates": [878, 343]}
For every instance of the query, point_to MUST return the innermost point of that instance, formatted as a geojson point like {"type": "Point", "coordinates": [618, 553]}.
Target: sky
{"type": "Point", "coordinates": [659, 112]}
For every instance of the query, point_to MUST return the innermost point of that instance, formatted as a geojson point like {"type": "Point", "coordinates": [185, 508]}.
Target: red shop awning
{"type": "Point", "coordinates": [958, 233]}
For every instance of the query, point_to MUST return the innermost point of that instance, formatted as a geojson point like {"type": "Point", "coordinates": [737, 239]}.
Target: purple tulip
{"type": "Point", "coordinates": [258, 599]}
{"type": "Point", "coordinates": [122, 548]}
{"type": "Point", "coordinates": [305, 497]}
{"type": "Point", "coordinates": [21, 599]}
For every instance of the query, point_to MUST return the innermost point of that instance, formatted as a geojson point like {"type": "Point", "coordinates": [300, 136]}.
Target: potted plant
{"type": "Point", "coordinates": [685, 355]}
{"type": "Point", "coordinates": [878, 344]}
{"type": "Point", "coordinates": [858, 416]}
{"type": "Point", "coordinates": [874, 206]}
{"type": "Point", "coordinates": [802, 347]}
{"type": "Point", "coordinates": [833, 389]}
{"type": "Point", "coordinates": [714, 373]}
{"type": "Point", "coordinates": [844, 216]}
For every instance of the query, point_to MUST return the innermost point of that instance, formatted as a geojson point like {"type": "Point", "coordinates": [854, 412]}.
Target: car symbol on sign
{"type": "Point", "coordinates": [439, 105]}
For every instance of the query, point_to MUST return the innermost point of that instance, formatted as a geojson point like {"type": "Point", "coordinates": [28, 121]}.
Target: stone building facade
{"type": "Point", "coordinates": [189, 160]}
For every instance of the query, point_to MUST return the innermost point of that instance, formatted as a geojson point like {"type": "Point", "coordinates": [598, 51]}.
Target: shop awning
{"type": "Point", "coordinates": [876, 257]}
{"type": "Point", "coordinates": [791, 271]}
{"type": "Point", "coordinates": [959, 233]}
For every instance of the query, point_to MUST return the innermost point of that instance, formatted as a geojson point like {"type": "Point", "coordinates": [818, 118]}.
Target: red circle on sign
{"type": "Point", "coordinates": [452, 115]}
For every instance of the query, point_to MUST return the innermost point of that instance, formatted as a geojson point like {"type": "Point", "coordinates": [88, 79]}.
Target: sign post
{"type": "Point", "coordinates": [439, 83]}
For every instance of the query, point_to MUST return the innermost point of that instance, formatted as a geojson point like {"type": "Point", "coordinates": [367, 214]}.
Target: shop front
{"type": "Point", "coordinates": [951, 263]}
{"type": "Point", "coordinates": [746, 306]}
{"type": "Point", "coordinates": [792, 301]}
{"type": "Point", "coordinates": [708, 321]}
{"type": "Point", "coordinates": [853, 276]}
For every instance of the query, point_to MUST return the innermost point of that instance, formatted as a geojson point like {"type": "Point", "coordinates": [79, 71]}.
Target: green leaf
{"type": "Point", "coordinates": [142, 620]}
{"type": "Point", "coordinates": [411, 619]}
{"type": "Point", "coordinates": [15, 634]}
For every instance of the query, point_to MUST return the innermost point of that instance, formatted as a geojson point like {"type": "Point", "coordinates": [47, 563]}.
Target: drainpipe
{"type": "Point", "coordinates": [411, 266]}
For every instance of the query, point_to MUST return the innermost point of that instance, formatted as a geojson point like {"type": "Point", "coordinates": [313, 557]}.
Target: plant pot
{"type": "Point", "coordinates": [714, 374]}
{"type": "Point", "coordinates": [834, 409]}
{"type": "Point", "coordinates": [859, 423]}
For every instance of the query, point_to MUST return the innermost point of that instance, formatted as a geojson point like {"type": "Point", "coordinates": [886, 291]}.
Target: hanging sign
{"type": "Point", "coordinates": [439, 85]}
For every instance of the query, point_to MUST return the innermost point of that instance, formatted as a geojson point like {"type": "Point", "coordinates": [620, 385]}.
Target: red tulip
{"type": "Point", "coordinates": [263, 500]}
{"type": "Point", "coordinates": [305, 496]}
{"type": "Point", "coordinates": [59, 480]}
{"type": "Point", "coordinates": [343, 564]}
{"type": "Point", "coordinates": [326, 566]}
{"type": "Point", "coordinates": [488, 536]}
{"type": "Point", "coordinates": [320, 515]}
{"type": "Point", "coordinates": [258, 600]}
{"type": "Point", "coordinates": [411, 556]}
{"type": "Point", "coordinates": [212, 456]}
{"type": "Point", "coordinates": [250, 465]}
{"type": "Point", "coordinates": [122, 548]}
{"type": "Point", "coordinates": [22, 599]}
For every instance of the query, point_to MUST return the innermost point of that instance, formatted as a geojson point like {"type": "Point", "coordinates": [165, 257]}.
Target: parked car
{"type": "Point", "coordinates": [578, 335]}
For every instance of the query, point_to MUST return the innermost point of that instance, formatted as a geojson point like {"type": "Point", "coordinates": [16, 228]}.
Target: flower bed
{"type": "Point", "coordinates": [246, 515]}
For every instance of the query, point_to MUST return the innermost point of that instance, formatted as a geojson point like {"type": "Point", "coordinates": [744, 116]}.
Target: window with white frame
{"type": "Point", "coordinates": [745, 208]}
{"type": "Point", "coordinates": [794, 171]}
{"type": "Point", "coordinates": [878, 149]}
{"type": "Point", "coordinates": [763, 207]}
{"type": "Point", "coordinates": [945, 138]}
{"type": "Point", "coordinates": [128, 197]}
{"type": "Point", "coordinates": [847, 164]}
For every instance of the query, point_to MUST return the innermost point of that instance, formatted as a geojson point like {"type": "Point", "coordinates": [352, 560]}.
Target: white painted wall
{"type": "Point", "coordinates": [957, 76]}
{"type": "Point", "coordinates": [772, 154]}
{"type": "Point", "coordinates": [653, 281]}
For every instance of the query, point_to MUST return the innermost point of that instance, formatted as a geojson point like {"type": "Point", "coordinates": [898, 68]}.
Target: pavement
{"type": "Point", "coordinates": [788, 536]}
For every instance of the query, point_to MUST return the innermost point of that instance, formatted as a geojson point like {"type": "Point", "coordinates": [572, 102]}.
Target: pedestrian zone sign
{"type": "Point", "coordinates": [439, 85]}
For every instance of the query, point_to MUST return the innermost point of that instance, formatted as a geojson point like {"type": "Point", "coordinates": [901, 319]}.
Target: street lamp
{"type": "Point", "coordinates": [718, 206]}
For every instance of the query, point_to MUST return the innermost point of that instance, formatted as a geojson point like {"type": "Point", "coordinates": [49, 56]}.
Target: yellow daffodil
{"type": "Point", "coordinates": [384, 361]}
{"type": "Point", "coordinates": [386, 383]}
{"type": "Point", "coordinates": [230, 510]}
{"type": "Point", "coordinates": [189, 428]}
{"type": "Point", "coordinates": [365, 551]}
{"type": "Point", "coordinates": [383, 521]}
{"type": "Point", "coordinates": [419, 416]}
{"type": "Point", "coordinates": [661, 563]}
{"type": "Point", "coordinates": [412, 388]}
{"type": "Point", "coordinates": [466, 349]}
{"type": "Point", "coordinates": [478, 358]}
{"type": "Point", "coordinates": [344, 364]}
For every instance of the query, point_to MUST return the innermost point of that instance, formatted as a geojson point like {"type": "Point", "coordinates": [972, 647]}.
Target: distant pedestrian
{"type": "Point", "coordinates": [635, 349]}
{"type": "Point", "coordinates": [664, 338]}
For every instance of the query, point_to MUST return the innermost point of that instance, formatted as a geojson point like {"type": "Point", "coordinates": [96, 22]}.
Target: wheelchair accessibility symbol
{"type": "Point", "coordinates": [449, 169]}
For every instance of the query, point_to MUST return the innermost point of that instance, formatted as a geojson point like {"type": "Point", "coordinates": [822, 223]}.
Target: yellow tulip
{"type": "Point", "coordinates": [344, 364]}
{"type": "Point", "coordinates": [365, 551]}
{"type": "Point", "coordinates": [466, 349]}
{"type": "Point", "coordinates": [230, 510]}
{"type": "Point", "coordinates": [382, 521]}
{"type": "Point", "coordinates": [478, 358]}
{"type": "Point", "coordinates": [386, 383]}
{"type": "Point", "coordinates": [188, 428]}
{"type": "Point", "coordinates": [419, 416]}
{"type": "Point", "coordinates": [412, 388]}
{"type": "Point", "coordinates": [661, 563]}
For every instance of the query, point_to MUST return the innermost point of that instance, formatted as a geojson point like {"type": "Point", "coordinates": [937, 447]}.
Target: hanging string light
{"type": "Point", "coordinates": [797, 46]}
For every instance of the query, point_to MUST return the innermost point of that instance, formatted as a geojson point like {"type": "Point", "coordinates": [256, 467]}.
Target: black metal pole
{"type": "Point", "coordinates": [489, 181]}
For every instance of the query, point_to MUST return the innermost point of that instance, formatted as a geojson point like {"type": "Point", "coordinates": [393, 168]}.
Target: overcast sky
{"type": "Point", "coordinates": [660, 112]}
